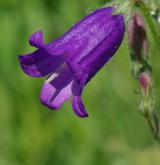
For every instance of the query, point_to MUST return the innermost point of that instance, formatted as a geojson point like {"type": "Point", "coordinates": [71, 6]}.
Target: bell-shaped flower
{"type": "Point", "coordinates": [74, 58]}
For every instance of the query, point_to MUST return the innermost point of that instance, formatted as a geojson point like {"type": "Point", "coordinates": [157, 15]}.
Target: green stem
{"type": "Point", "coordinates": [151, 126]}
{"type": "Point", "coordinates": [146, 12]}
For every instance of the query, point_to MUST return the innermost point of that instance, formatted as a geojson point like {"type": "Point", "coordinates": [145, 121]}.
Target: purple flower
{"type": "Point", "coordinates": [74, 58]}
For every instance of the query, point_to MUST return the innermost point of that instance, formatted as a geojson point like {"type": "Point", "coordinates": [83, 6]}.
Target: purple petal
{"type": "Point", "coordinates": [36, 39]}
{"type": "Point", "coordinates": [78, 107]}
{"type": "Point", "coordinates": [76, 70]}
{"type": "Point", "coordinates": [76, 40]}
{"type": "Point", "coordinates": [102, 39]}
{"type": "Point", "coordinates": [77, 104]}
{"type": "Point", "coordinates": [40, 63]}
{"type": "Point", "coordinates": [56, 90]}
{"type": "Point", "coordinates": [105, 50]}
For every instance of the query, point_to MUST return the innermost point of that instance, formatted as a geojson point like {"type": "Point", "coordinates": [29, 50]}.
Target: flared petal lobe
{"type": "Point", "coordinates": [57, 89]}
{"type": "Point", "coordinates": [40, 63]}
{"type": "Point", "coordinates": [36, 39]}
{"type": "Point", "coordinates": [77, 103]}
{"type": "Point", "coordinates": [78, 107]}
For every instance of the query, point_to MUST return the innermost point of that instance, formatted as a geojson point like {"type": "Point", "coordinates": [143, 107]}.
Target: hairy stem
{"type": "Point", "coordinates": [152, 27]}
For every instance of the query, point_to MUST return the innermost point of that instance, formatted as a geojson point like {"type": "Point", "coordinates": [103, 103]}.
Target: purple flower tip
{"type": "Point", "coordinates": [145, 81]}
{"type": "Point", "coordinates": [36, 39]}
{"type": "Point", "coordinates": [74, 58]}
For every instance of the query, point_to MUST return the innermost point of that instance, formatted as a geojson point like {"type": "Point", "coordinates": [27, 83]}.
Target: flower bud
{"type": "Point", "coordinates": [137, 36]}
{"type": "Point", "coordinates": [144, 81]}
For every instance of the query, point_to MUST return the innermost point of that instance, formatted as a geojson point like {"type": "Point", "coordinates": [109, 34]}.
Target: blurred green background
{"type": "Point", "coordinates": [31, 134]}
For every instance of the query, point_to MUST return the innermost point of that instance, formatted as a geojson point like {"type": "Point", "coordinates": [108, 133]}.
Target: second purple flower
{"type": "Point", "coordinates": [74, 58]}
